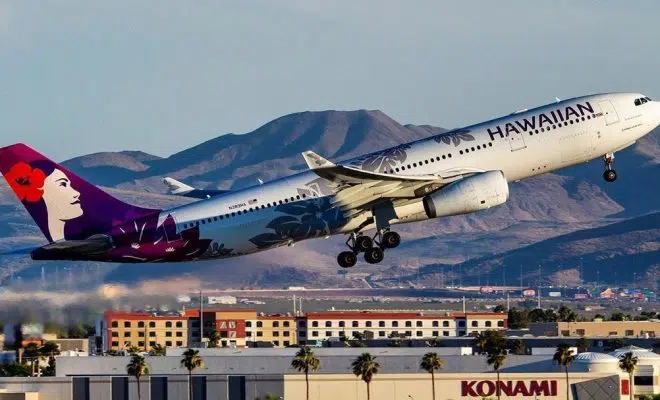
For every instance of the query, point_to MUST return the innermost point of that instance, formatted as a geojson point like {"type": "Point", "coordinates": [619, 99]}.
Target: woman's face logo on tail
{"type": "Point", "coordinates": [62, 200]}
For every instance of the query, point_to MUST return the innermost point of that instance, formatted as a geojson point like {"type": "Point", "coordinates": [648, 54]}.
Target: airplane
{"type": "Point", "coordinates": [461, 171]}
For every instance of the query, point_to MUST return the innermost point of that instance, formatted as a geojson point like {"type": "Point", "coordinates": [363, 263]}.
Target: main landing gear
{"type": "Point", "coordinates": [610, 174]}
{"type": "Point", "coordinates": [373, 248]}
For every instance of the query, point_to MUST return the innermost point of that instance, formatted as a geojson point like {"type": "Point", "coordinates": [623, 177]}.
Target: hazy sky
{"type": "Point", "coordinates": [80, 76]}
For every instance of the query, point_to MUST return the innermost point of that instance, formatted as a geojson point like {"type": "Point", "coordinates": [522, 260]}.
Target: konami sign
{"type": "Point", "coordinates": [509, 388]}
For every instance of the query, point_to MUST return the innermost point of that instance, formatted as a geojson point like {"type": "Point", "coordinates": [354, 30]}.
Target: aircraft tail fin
{"type": "Point", "coordinates": [63, 205]}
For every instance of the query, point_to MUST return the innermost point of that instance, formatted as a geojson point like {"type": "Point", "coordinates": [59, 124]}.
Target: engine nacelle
{"type": "Point", "coordinates": [477, 192]}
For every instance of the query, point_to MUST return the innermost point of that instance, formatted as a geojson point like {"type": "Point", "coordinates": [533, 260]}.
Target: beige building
{"type": "Point", "coordinates": [143, 330]}
{"type": "Point", "coordinates": [599, 328]}
{"type": "Point", "coordinates": [281, 330]}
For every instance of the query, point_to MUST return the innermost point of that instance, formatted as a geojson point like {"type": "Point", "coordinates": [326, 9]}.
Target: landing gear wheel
{"type": "Point", "coordinates": [610, 175]}
{"type": "Point", "coordinates": [391, 240]}
{"type": "Point", "coordinates": [374, 255]}
{"type": "Point", "coordinates": [363, 243]}
{"type": "Point", "coordinates": [346, 259]}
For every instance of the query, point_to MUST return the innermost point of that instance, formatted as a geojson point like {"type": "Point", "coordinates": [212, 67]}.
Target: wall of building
{"type": "Point", "coordinates": [609, 328]}
{"type": "Point", "coordinates": [418, 386]}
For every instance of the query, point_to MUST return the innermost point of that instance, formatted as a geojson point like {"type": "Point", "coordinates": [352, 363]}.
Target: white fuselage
{"type": "Point", "coordinates": [521, 145]}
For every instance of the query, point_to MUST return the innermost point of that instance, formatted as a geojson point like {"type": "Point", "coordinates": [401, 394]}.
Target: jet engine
{"type": "Point", "coordinates": [477, 192]}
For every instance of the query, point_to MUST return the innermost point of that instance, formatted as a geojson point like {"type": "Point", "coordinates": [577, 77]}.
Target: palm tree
{"type": "Point", "coordinates": [50, 349]}
{"type": "Point", "coordinates": [628, 363]}
{"type": "Point", "coordinates": [305, 361]}
{"type": "Point", "coordinates": [496, 358]}
{"type": "Point", "coordinates": [481, 341]}
{"type": "Point", "coordinates": [564, 357]}
{"type": "Point", "coordinates": [137, 367]}
{"type": "Point", "coordinates": [191, 361]}
{"type": "Point", "coordinates": [157, 350]}
{"type": "Point", "coordinates": [31, 352]}
{"type": "Point", "coordinates": [366, 366]}
{"type": "Point", "coordinates": [431, 362]}
{"type": "Point", "coordinates": [214, 338]}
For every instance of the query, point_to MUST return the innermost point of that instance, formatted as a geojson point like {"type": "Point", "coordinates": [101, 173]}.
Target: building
{"type": "Point", "coordinates": [598, 329]}
{"type": "Point", "coordinates": [243, 327]}
{"type": "Point", "coordinates": [122, 330]}
{"type": "Point", "coordinates": [379, 325]}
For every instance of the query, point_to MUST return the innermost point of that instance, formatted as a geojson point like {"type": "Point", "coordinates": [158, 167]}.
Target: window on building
{"type": "Point", "coordinates": [629, 332]}
{"type": "Point", "coordinates": [315, 333]}
{"type": "Point", "coordinates": [355, 324]}
{"type": "Point", "coordinates": [381, 324]}
{"type": "Point", "coordinates": [276, 342]}
{"type": "Point", "coordinates": [475, 324]}
{"type": "Point", "coordinates": [445, 324]}
{"type": "Point", "coordinates": [152, 334]}
{"type": "Point", "coordinates": [408, 324]}
{"type": "Point", "coordinates": [140, 344]}
{"type": "Point", "coordinates": [461, 324]}
{"type": "Point", "coordinates": [168, 343]}
{"type": "Point", "coordinates": [179, 343]}
{"type": "Point", "coordinates": [419, 333]}
{"type": "Point", "coordinates": [140, 334]}
{"type": "Point", "coordinates": [434, 333]}
{"type": "Point", "coordinates": [643, 380]}
{"type": "Point", "coordinates": [248, 324]}
{"type": "Point", "coordinates": [248, 333]}
{"type": "Point", "coordinates": [341, 324]}
{"type": "Point", "coordinates": [488, 324]}
{"type": "Point", "coordinates": [127, 324]}
{"type": "Point", "coordinates": [565, 333]}
{"type": "Point", "coordinates": [315, 324]}
{"type": "Point", "coordinates": [301, 324]}
{"type": "Point", "coordinates": [500, 323]}
{"type": "Point", "coordinates": [381, 333]}
{"type": "Point", "coordinates": [115, 344]}
{"type": "Point", "coordinates": [115, 334]}
{"type": "Point", "coordinates": [285, 333]}
{"type": "Point", "coordinates": [395, 324]}
{"type": "Point", "coordinates": [152, 344]}
{"type": "Point", "coordinates": [260, 334]}
{"type": "Point", "coordinates": [179, 334]}
{"type": "Point", "coordinates": [367, 324]}
{"type": "Point", "coordinates": [445, 333]}
{"type": "Point", "coordinates": [285, 324]}
{"type": "Point", "coordinates": [328, 333]}
{"type": "Point", "coordinates": [342, 334]}
{"type": "Point", "coordinates": [276, 334]}
{"type": "Point", "coordinates": [408, 333]}
{"type": "Point", "coordinates": [418, 324]}
{"type": "Point", "coordinates": [179, 324]}
{"type": "Point", "coordinates": [276, 324]}
{"type": "Point", "coordinates": [152, 324]}
{"type": "Point", "coordinates": [302, 333]}
{"type": "Point", "coordinates": [328, 324]}
{"type": "Point", "coordinates": [287, 343]}
{"type": "Point", "coordinates": [168, 324]}
{"type": "Point", "coordinates": [141, 324]}
{"type": "Point", "coordinates": [435, 324]}
{"type": "Point", "coordinates": [260, 324]}
{"type": "Point", "coordinates": [127, 334]}
{"type": "Point", "coordinates": [168, 334]}
{"type": "Point", "coordinates": [115, 324]}
{"type": "Point", "coordinates": [580, 332]}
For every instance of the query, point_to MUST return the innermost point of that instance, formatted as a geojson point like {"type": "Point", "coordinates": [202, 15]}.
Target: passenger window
{"type": "Point", "coordinates": [643, 100]}
{"type": "Point", "coordinates": [638, 102]}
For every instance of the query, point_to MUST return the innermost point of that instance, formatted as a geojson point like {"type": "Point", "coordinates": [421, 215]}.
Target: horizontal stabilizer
{"type": "Point", "coordinates": [74, 249]}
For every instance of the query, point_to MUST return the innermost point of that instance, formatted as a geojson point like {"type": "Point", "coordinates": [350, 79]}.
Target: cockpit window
{"type": "Point", "coordinates": [638, 102]}
{"type": "Point", "coordinates": [642, 100]}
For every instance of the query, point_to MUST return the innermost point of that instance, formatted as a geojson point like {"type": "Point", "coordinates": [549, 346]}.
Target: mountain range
{"type": "Point", "coordinates": [557, 220]}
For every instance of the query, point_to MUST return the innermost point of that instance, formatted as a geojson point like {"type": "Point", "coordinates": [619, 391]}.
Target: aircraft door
{"type": "Point", "coordinates": [608, 110]}
{"type": "Point", "coordinates": [516, 141]}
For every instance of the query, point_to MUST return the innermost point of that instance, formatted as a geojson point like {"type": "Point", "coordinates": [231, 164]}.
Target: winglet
{"type": "Point", "coordinates": [315, 161]}
{"type": "Point", "coordinates": [176, 187]}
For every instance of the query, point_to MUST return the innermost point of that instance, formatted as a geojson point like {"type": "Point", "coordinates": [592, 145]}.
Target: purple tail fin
{"type": "Point", "coordinates": [63, 205]}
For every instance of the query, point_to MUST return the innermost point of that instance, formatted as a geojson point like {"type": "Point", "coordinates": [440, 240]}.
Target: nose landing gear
{"type": "Point", "coordinates": [610, 174]}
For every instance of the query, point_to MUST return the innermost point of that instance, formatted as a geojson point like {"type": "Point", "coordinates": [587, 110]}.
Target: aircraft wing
{"type": "Point", "coordinates": [181, 189]}
{"type": "Point", "coordinates": [356, 189]}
